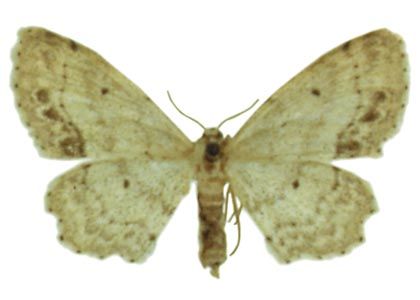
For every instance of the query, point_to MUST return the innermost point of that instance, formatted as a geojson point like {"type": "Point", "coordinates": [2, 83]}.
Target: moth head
{"type": "Point", "coordinates": [213, 139]}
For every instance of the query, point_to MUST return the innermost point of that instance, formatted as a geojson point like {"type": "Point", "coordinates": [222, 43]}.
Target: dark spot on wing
{"type": "Point", "coordinates": [42, 95]}
{"type": "Point", "coordinates": [295, 184]}
{"type": "Point", "coordinates": [346, 46]}
{"type": "Point", "coordinates": [104, 91]}
{"type": "Point", "coordinates": [152, 237]}
{"type": "Point", "coordinates": [73, 45]}
{"type": "Point", "coordinates": [49, 34]}
{"type": "Point", "coordinates": [370, 116]}
{"type": "Point", "coordinates": [86, 166]}
{"type": "Point", "coordinates": [316, 92]}
{"type": "Point", "coordinates": [268, 239]}
{"type": "Point", "coordinates": [379, 96]}
{"type": "Point", "coordinates": [52, 114]}
{"type": "Point", "coordinates": [126, 183]}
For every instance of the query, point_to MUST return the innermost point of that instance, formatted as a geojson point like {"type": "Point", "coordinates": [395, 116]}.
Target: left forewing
{"type": "Point", "coordinates": [304, 209]}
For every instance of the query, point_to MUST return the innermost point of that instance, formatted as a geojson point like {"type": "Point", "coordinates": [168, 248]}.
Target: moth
{"type": "Point", "coordinates": [277, 166]}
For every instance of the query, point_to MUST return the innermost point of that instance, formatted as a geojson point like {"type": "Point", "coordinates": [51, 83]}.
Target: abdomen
{"type": "Point", "coordinates": [212, 222]}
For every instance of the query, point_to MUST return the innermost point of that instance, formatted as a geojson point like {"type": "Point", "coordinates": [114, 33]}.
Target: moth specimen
{"type": "Point", "coordinates": [344, 105]}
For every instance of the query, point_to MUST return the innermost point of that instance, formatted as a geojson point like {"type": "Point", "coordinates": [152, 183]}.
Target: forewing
{"type": "Point", "coordinates": [76, 104]}
{"type": "Point", "coordinates": [304, 209]}
{"type": "Point", "coordinates": [345, 104]}
{"type": "Point", "coordinates": [117, 206]}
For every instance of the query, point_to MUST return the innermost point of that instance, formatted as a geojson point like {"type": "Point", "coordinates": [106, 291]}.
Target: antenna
{"type": "Point", "coordinates": [182, 113]}
{"type": "Point", "coordinates": [238, 114]}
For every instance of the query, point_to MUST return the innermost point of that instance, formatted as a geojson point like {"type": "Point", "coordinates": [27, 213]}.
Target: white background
{"type": "Point", "coordinates": [216, 57]}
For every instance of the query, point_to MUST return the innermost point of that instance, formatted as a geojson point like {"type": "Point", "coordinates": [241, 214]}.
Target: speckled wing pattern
{"type": "Point", "coordinates": [345, 104]}
{"type": "Point", "coordinates": [305, 209]}
{"type": "Point", "coordinates": [117, 206]}
{"type": "Point", "coordinates": [76, 105]}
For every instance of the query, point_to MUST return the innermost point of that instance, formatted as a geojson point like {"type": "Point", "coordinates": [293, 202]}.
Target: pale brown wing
{"type": "Point", "coordinates": [76, 104]}
{"type": "Point", "coordinates": [117, 206]}
{"type": "Point", "coordinates": [304, 209]}
{"type": "Point", "coordinates": [345, 104]}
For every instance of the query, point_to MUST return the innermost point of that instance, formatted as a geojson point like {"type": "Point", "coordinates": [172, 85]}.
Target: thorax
{"type": "Point", "coordinates": [210, 157]}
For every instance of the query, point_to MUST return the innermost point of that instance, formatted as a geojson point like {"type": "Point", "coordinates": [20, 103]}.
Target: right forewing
{"type": "Point", "coordinates": [76, 104]}
{"type": "Point", "coordinates": [345, 104]}
{"type": "Point", "coordinates": [304, 209]}
{"type": "Point", "coordinates": [117, 206]}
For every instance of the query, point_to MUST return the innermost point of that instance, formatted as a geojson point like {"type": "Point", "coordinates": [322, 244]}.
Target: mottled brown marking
{"type": "Point", "coordinates": [49, 35]}
{"type": "Point", "coordinates": [295, 184]}
{"type": "Point", "coordinates": [86, 166]}
{"type": "Point", "coordinates": [126, 183]}
{"type": "Point", "coordinates": [370, 116]}
{"type": "Point", "coordinates": [73, 45]}
{"type": "Point", "coordinates": [268, 239]}
{"type": "Point", "coordinates": [73, 146]}
{"type": "Point", "coordinates": [52, 114]}
{"type": "Point", "coordinates": [355, 66]}
{"type": "Point", "coordinates": [212, 236]}
{"type": "Point", "coordinates": [152, 237]}
{"type": "Point", "coordinates": [104, 91]}
{"type": "Point", "coordinates": [348, 146]}
{"type": "Point", "coordinates": [346, 46]}
{"type": "Point", "coordinates": [42, 95]}
{"type": "Point", "coordinates": [379, 96]}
